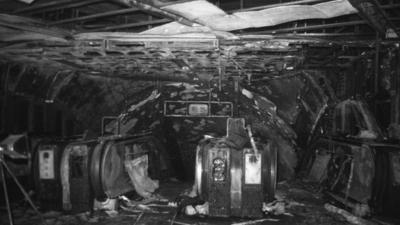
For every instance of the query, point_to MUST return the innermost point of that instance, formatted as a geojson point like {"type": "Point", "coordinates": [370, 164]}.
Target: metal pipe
{"type": "Point", "coordinates": [390, 6]}
{"type": "Point", "coordinates": [301, 2]}
{"type": "Point", "coordinates": [220, 72]}
{"type": "Point", "coordinates": [275, 5]}
{"type": "Point", "coordinates": [5, 100]}
{"type": "Point", "coordinates": [130, 25]}
{"type": "Point", "coordinates": [376, 69]}
{"type": "Point", "coordinates": [54, 5]}
{"type": "Point", "coordinates": [21, 188]}
{"type": "Point", "coordinates": [43, 5]}
{"type": "Point", "coordinates": [4, 182]}
{"type": "Point", "coordinates": [150, 77]}
{"type": "Point", "coordinates": [396, 88]}
{"type": "Point", "coordinates": [314, 27]}
{"type": "Point", "coordinates": [155, 9]}
{"type": "Point", "coordinates": [317, 27]}
{"type": "Point", "coordinates": [332, 34]}
{"type": "Point", "coordinates": [95, 16]}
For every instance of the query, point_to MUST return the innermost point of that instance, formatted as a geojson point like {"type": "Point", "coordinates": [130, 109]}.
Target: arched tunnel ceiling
{"type": "Point", "coordinates": [101, 74]}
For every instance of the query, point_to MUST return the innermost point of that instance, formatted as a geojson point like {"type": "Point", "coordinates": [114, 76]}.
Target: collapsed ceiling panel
{"type": "Point", "coordinates": [211, 16]}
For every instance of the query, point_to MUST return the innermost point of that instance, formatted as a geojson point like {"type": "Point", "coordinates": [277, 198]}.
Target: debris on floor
{"type": "Point", "coordinates": [347, 215]}
{"type": "Point", "coordinates": [252, 222]}
{"type": "Point", "coordinates": [296, 202]}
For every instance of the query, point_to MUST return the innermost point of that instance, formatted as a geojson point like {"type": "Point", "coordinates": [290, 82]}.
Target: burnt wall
{"type": "Point", "coordinates": [285, 107]}
{"type": "Point", "coordinates": [23, 107]}
{"type": "Point", "coordinates": [46, 101]}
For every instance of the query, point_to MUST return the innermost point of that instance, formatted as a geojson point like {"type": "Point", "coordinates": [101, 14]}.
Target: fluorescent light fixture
{"type": "Point", "coordinates": [26, 1]}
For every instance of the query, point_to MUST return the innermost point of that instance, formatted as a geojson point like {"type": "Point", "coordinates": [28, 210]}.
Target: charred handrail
{"type": "Point", "coordinates": [358, 142]}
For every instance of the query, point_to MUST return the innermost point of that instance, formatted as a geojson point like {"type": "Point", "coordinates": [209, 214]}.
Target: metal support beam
{"type": "Point", "coordinates": [149, 7]}
{"type": "Point", "coordinates": [396, 91]}
{"type": "Point", "coordinates": [373, 13]}
{"type": "Point", "coordinates": [301, 2]}
{"type": "Point", "coordinates": [4, 183]}
{"type": "Point", "coordinates": [352, 34]}
{"type": "Point", "coordinates": [376, 72]}
{"type": "Point", "coordinates": [168, 76]}
{"type": "Point", "coordinates": [317, 27]}
{"type": "Point", "coordinates": [37, 29]}
{"type": "Point", "coordinates": [55, 5]}
{"type": "Point", "coordinates": [314, 27]}
{"type": "Point", "coordinates": [43, 5]}
{"type": "Point", "coordinates": [4, 124]}
{"type": "Point", "coordinates": [390, 6]}
{"type": "Point", "coordinates": [130, 25]}
{"type": "Point", "coordinates": [96, 16]}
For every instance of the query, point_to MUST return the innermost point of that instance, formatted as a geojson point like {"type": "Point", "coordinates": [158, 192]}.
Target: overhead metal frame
{"type": "Point", "coordinates": [55, 5]}
{"type": "Point", "coordinates": [96, 16]}
{"type": "Point", "coordinates": [134, 22]}
{"type": "Point", "coordinates": [374, 14]}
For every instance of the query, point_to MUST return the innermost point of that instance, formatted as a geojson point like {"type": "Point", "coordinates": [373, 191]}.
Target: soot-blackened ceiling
{"type": "Point", "coordinates": [136, 16]}
{"type": "Point", "coordinates": [56, 33]}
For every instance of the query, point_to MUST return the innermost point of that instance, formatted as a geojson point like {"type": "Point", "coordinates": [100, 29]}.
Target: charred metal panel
{"type": "Point", "coordinates": [351, 169]}
{"type": "Point", "coordinates": [386, 196]}
{"type": "Point", "coordinates": [284, 93]}
{"type": "Point", "coordinates": [235, 182]}
{"type": "Point", "coordinates": [46, 173]}
{"type": "Point", "coordinates": [354, 118]}
{"type": "Point", "coordinates": [75, 180]}
{"type": "Point", "coordinates": [355, 165]}
{"type": "Point", "coordinates": [216, 172]}
{"type": "Point", "coordinates": [108, 173]}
